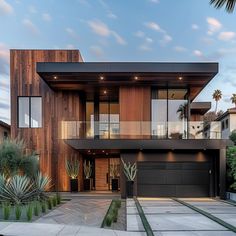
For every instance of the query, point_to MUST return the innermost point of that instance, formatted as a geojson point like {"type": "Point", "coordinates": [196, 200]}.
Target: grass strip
{"type": "Point", "coordinates": [208, 215]}
{"type": "Point", "coordinates": [146, 225]}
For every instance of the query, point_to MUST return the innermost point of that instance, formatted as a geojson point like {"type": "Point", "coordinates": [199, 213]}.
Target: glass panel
{"type": "Point", "coordinates": [159, 113]}
{"type": "Point", "coordinates": [23, 112]}
{"type": "Point", "coordinates": [89, 119]}
{"type": "Point", "coordinates": [36, 112]}
{"type": "Point", "coordinates": [177, 113]}
{"type": "Point", "coordinates": [114, 120]}
{"type": "Point", "coordinates": [104, 120]}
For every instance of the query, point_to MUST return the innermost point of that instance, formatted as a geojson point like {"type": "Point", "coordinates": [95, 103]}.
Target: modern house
{"type": "Point", "coordinates": [228, 122]}
{"type": "Point", "coordinates": [140, 111]}
{"type": "Point", "coordinates": [4, 130]}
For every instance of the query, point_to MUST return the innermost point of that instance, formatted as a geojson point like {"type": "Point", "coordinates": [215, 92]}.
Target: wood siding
{"type": "Point", "coordinates": [57, 106]}
{"type": "Point", "coordinates": [135, 112]}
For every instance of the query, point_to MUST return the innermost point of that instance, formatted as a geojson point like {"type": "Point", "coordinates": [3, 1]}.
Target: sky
{"type": "Point", "coordinates": [124, 30]}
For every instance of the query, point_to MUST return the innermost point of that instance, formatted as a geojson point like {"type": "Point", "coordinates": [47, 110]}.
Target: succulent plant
{"type": "Point", "coordinates": [130, 171]}
{"type": "Point", "coordinates": [87, 169]}
{"type": "Point", "coordinates": [72, 168]}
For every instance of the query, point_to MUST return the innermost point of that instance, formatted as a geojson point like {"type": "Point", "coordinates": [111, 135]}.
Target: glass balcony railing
{"type": "Point", "coordinates": [140, 130]}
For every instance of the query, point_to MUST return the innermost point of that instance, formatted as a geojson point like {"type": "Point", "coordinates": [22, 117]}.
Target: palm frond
{"type": "Point", "coordinates": [229, 4]}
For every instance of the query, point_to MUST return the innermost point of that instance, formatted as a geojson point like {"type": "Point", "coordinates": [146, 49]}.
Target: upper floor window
{"type": "Point", "coordinates": [29, 112]}
{"type": "Point", "coordinates": [226, 123]}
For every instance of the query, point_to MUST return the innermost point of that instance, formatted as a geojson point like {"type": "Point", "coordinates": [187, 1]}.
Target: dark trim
{"type": "Point", "coordinates": [5, 125]}
{"type": "Point", "coordinates": [148, 144]}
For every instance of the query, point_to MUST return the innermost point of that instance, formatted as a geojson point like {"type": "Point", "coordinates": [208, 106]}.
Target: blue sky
{"type": "Point", "coordinates": [124, 30]}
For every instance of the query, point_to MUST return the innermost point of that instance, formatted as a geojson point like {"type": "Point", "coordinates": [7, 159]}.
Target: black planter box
{"type": "Point", "coordinates": [87, 184]}
{"type": "Point", "coordinates": [129, 189]}
{"type": "Point", "coordinates": [114, 184]}
{"type": "Point", "coordinates": [74, 185]}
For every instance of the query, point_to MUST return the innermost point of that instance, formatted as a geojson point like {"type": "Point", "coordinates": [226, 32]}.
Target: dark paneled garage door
{"type": "Point", "coordinates": [175, 179]}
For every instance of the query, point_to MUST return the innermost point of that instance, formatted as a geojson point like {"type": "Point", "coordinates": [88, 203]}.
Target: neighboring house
{"type": "Point", "coordinates": [228, 122]}
{"type": "Point", "coordinates": [4, 130]}
{"type": "Point", "coordinates": [140, 111]}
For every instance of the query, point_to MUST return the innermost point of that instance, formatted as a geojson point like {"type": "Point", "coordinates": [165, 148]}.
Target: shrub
{"type": "Point", "coordinates": [36, 208]}
{"type": "Point", "coordinates": [231, 167]}
{"type": "Point", "coordinates": [49, 202]}
{"type": "Point", "coordinates": [43, 206]}
{"type": "Point", "coordinates": [42, 183]}
{"type": "Point", "coordinates": [6, 211]}
{"type": "Point", "coordinates": [18, 211]}
{"type": "Point", "coordinates": [18, 190]}
{"type": "Point", "coordinates": [29, 212]}
{"type": "Point", "coordinates": [115, 214]}
{"type": "Point", "coordinates": [58, 195]}
{"type": "Point", "coordinates": [117, 203]}
{"type": "Point", "coordinates": [109, 220]}
{"type": "Point", "coordinates": [54, 201]}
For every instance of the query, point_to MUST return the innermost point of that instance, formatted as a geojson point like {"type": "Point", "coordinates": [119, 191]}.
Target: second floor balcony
{"type": "Point", "coordinates": [140, 130]}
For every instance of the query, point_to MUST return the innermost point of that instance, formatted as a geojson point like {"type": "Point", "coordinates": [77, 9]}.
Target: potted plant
{"type": "Point", "coordinates": [87, 174]}
{"type": "Point", "coordinates": [114, 175]}
{"type": "Point", "coordinates": [130, 172]}
{"type": "Point", "coordinates": [72, 170]}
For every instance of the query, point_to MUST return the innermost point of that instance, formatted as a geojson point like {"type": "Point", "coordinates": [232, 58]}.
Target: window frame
{"type": "Point", "coordinates": [18, 98]}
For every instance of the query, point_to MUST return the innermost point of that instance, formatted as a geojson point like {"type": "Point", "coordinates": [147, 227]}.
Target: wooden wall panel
{"type": "Point", "coordinates": [135, 112]}
{"type": "Point", "coordinates": [57, 106]}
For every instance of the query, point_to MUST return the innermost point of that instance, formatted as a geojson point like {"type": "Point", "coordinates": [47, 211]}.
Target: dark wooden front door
{"type": "Point", "coordinates": [101, 174]}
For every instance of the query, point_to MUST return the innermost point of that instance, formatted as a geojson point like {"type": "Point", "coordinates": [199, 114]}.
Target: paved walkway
{"type": "Point", "coordinates": [170, 218]}
{"type": "Point", "coordinates": [78, 211]}
{"type": "Point", "coordinates": [36, 229]}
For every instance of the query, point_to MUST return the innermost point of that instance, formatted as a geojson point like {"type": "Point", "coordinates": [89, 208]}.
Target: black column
{"type": "Point", "coordinates": [222, 172]}
{"type": "Point", "coordinates": [96, 116]}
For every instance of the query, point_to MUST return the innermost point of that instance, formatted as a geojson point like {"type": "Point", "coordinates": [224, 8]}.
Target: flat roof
{"type": "Point", "coordinates": [200, 107]}
{"type": "Point", "coordinates": [86, 75]}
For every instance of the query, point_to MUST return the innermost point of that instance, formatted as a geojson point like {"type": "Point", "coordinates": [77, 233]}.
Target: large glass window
{"type": "Point", "coordinates": [89, 119]}
{"type": "Point", "coordinates": [169, 113]}
{"type": "Point", "coordinates": [29, 112]}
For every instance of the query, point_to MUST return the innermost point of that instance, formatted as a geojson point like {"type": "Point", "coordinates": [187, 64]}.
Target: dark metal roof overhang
{"type": "Point", "coordinates": [86, 75]}
{"type": "Point", "coordinates": [200, 107]}
{"type": "Point", "coordinates": [129, 144]}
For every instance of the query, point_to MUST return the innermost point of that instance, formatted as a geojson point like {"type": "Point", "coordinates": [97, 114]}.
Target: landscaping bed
{"type": "Point", "coordinates": [115, 217]}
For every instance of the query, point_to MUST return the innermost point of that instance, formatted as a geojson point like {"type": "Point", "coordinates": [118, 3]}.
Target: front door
{"type": "Point", "coordinates": [101, 174]}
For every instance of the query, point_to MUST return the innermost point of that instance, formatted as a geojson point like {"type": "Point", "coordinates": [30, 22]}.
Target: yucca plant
{"type": "Point", "coordinates": [130, 171]}
{"type": "Point", "coordinates": [54, 201]}
{"type": "Point", "coordinates": [18, 211]}
{"type": "Point", "coordinates": [42, 183]}
{"type": "Point", "coordinates": [29, 212]}
{"type": "Point", "coordinates": [6, 211]}
{"type": "Point", "coordinates": [58, 196]}
{"type": "Point", "coordinates": [49, 202]}
{"type": "Point", "coordinates": [18, 190]}
{"type": "Point", "coordinates": [87, 169]}
{"type": "Point", "coordinates": [72, 168]}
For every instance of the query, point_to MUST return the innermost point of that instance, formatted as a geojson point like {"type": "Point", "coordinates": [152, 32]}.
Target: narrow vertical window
{"type": "Point", "coordinates": [36, 112]}
{"type": "Point", "coordinates": [23, 112]}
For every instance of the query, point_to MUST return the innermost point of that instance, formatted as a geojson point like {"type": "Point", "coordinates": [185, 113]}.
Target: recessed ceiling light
{"type": "Point", "coordinates": [180, 78]}
{"type": "Point", "coordinates": [105, 91]}
{"type": "Point", "coordinates": [136, 77]}
{"type": "Point", "coordinates": [101, 78]}
{"type": "Point", "coordinates": [94, 153]}
{"type": "Point", "coordinates": [103, 151]}
{"type": "Point", "coordinates": [55, 77]}
{"type": "Point", "coordinates": [106, 153]}
{"type": "Point", "coordinates": [89, 151]}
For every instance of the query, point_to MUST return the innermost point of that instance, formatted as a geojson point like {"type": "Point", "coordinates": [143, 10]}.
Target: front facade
{"type": "Point", "coordinates": [140, 112]}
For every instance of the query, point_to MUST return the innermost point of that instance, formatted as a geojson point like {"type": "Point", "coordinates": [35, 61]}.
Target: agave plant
{"type": "Point", "coordinates": [130, 171]}
{"type": "Point", "coordinates": [72, 168]}
{"type": "Point", "coordinates": [42, 183]}
{"type": "Point", "coordinates": [87, 169]}
{"type": "Point", "coordinates": [18, 190]}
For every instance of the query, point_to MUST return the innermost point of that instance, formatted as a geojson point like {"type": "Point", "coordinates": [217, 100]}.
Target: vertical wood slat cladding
{"type": "Point", "coordinates": [135, 106]}
{"type": "Point", "coordinates": [101, 170]}
{"type": "Point", "coordinates": [57, 106]}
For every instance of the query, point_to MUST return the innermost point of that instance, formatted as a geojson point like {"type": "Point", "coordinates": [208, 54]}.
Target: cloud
{"type": "Point", "coordinates": [4, 86]}
{"type": "Point", "coordinates": [111, 15]}
{"type": "Point", "coordinates": [195, 26]}
{"type": "Point", "coordinates": [101, 29]}
{"type": "Point", "coordinates": [97, 51]}
{"type": "Point", "coordinates": [208, 40]}
{"type": "Point", "coordinates": [166, 39]}
{"type": "Point", "coordinates": [198, 53]}
{"type": "Point", "coordinates": [4, 106]}
{"type": "Point", "coordinates": [32, 9]}
{"type": "Point", "coordinates": [30, 26]}
{"type": "Point", "coordinates": [226, 36]}
{"type": "Point", "coordinates": [72, 33]}
{"type": "Point", "coordinates": [5, 8]}
{"type": "Point", "coordinates": [4, 59]}
{"type": "Point", "coordinates": [213, 25]}
{"type": "Point", "coordinates": [46, 17]}
{"type": "Point", "coordinates": [180, 49]}
{"type": "Point", "coordinates": [70, 46]}
{"type": "Point", "coordinates": [139, 34]}
{"type": "Point", "coordinates": [146, 45]}
{"type": "Point", "coordinates": [154, 26]}
{"type": "Point", "coordinates": [154, 1]}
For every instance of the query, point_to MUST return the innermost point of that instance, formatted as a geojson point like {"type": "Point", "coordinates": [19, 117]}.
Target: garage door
{"type": "Point", "coordinates": [176, 179]}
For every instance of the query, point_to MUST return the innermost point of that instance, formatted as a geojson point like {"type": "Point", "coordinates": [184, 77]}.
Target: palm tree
{"type": "Point", "coordinates": [233, 99]}
{"type": "Point", "coordinates": [217, 95]}
{"type": "Point", "coordinates": [229, 4]}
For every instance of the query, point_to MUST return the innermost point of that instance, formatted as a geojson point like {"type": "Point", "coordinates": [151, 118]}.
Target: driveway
{"type": "Point", "coordinates": [170, 218]}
